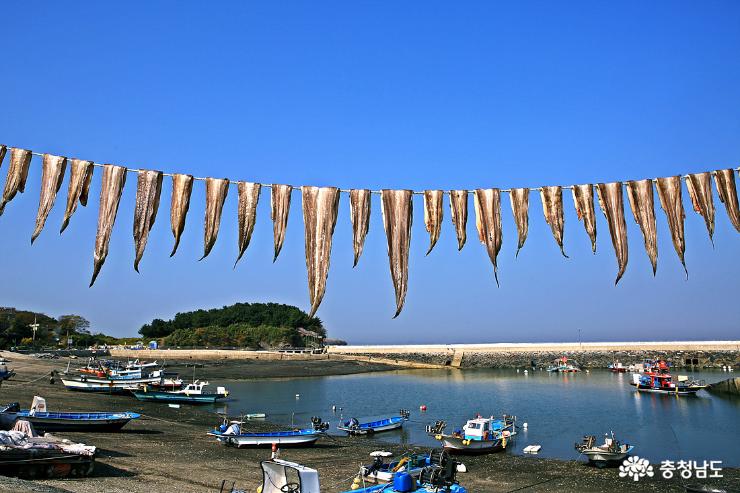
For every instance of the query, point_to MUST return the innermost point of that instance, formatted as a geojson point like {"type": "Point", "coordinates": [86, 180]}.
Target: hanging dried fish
{"type": "Point", "coordinates": [80, 176]}
{"type": "Point", "coordinates": [20, 159]}
{"type": "Point", "coordinates": [52, 174]}
{"type": "Point", "coordinates": [320, 208]}
{"type": "Point", "coordinates": [433, 215]}
{"type": "Point", "coordinates": [148, 191]}
{"type": "Point", "coordinates": [700, 191]}
{"type": "Point", "coordinates": [552, 206]}
{"type": "Point", "coordinates": [280, 207]}
{"type": "Point", "coordinates": [359, 214]}
{"type": "Point", "coordinates": [669, 193]}
{"type": "Point", "coordinates": [583, 198]}
{"type": "Point", "coordinates": [249, 195]}
{"type": "Point", "coordinates": [611, 202]}
{"type": "Point", "coordinates": [3, 149]}
{"type": "Point", "coordinates": [216, 191]}
{"type": "Point", "coordinates": [520, 207]}
{"type": "Point", "coordinates": [397, 210]}
{"type": "Point", "coordinates": [182, 187]}
{"type": "Point", "coordinates": [459, 209]}
{"type": "Point", "coordinates": [725, 181]}
{"type": "Point", "coordinates": [114, 179]}
{"type": "Point", "coordinates": [642, 203]}
{"type": "Point", "coordinates": [488, 221]}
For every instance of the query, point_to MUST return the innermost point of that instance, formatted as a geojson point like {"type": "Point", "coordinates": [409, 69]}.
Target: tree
{"type": "Point", "coordinates": [74, 324]}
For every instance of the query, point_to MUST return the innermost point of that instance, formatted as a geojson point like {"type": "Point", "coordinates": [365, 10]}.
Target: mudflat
{"type": "Point", "coordinates": [167, 450]}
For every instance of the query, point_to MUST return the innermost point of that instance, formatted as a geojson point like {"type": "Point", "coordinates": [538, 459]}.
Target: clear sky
{"type": "Point", "coordinates": [379, 94]}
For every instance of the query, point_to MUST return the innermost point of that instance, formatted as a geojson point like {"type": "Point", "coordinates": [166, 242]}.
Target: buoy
{"type": "Point", "coordinates": [298, 396]}
{"type": "Point", "coordinates": [423, 407]}
{"type": "Point", "coordinates": [524, 426]}
{"type": "Point", "coordinates": [517, 370]}
{"type": "Point", "coordinates": [259, 489]}
{"type": "Point", "coordinates": [526, 372]}
{"type": "Point", "coordinates": [334, 409]}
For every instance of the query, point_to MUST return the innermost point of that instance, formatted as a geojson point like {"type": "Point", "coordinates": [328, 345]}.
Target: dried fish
{"type": "Point", "coordinates": [249, 195]}
{"type": "Point", "coordinates": [433, 215]}
{"type": "Point", "coordinates": [216, 191]}
{"type": "Point", "coordinates": [359, 214]}
{"type": "Point", "coordinates": [80, 176]}
{"type": "Point", "coordinates": [669, 193]}
{"type": "Point", "coordinates": [52, 174]}
{"type": "Point", "coordinates": [583, 198]}
{"type": "Point", "coordinates": [459, 209]}
{"type": "Point", "coordinates": [3, 149]}
{"type": "Point", "coordinates": [611, 202]}
{"type": "Point", "coordinates": [182, 187]}
{"type": "Point", "coordinates": [700, 191]}
{"type": "Point", "coordinates": [725, 181]}
{"type": "Point", "coordinates": [552, 206]}
{"type": "Point", "coordinates": [520, 207]}
{"type": "Point", "coordinates": [488, 221]}
{"type": "Point", "coordinates": [320, 208]}
{"type": "Point", "coordinates": [280, 208]}
{"type": "Point", "coordinates": [148, 192]}
{"type": "Point", "coordinates": [397, 210]}
{"type": "Point", "coordinates": [114, 179]}
{"type": "Point", "coordinates": [20, 159]}
{"type": "Point", "coordinates": [642, 203]}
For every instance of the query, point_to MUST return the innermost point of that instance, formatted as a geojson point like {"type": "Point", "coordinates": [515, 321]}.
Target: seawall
{"type": "Point", "coordinates": [691, 354]}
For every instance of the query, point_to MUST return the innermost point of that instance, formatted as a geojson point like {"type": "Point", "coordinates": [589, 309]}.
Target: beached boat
{"type": "Point", "coordinates": [356, 427]}
{"type": "Point", "coordinates": [563, 365]}
{"type": "Point", "coordinates": [610, 452]}
{"type": "Point", "coordinates": [230, 433]}
{"type": "Point", "coordinates": [478, 436]}
{"type": "Point", "coordinates": [382, 470]}
{"type": "Point", "coordinates": [281, 476]}
{"type": "Point", "coordinates": [5, 373]}
{"type": "Point", "coordinates": [192, 393]}
{"type": "Point", "coordinates": [44, 420]}
{"type": "Point", "coordinates": [662, 382]}
{"type": "Point", "coordinates": [24, 454]}
{"type": "Point", "coordinates": [89, 383]}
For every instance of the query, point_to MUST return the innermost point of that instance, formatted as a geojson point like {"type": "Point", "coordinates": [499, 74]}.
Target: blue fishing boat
{"type": "Point", "coordinates": [5, 373]}
{"type": "Point", "coordinates": [355, 427]}
{"type": "Point", "coordinates": [230, 433]}
{"type": "Point", "coordinates": [191, 394]}
{"type": "Point", "coordinates": [44, 420]}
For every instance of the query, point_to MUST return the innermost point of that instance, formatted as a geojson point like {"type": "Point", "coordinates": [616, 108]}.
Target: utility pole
{"type": "Point", "coordinates": [34, 327]}
{"type": "Point", "coordinates": [579, 339]}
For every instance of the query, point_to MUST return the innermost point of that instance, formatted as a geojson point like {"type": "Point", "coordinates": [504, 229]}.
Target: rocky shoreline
{"type": "Point", "coordinates": [167, 449]}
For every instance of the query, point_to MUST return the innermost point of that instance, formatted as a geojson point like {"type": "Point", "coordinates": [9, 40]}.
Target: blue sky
{"type": "Point", "coordinates": [379, 95]}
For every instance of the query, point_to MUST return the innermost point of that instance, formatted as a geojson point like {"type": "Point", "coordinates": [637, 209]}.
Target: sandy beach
{"type": "Point", "coordinates": [168, 450]}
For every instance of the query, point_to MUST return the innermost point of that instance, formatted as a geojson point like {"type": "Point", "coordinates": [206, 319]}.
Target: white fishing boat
{"type": "Point", "coordinates": [611, 451]}
{"type": "Point", "coordinates": [89, 383]}
{"type": "Point", "coordinates": [479, 435]}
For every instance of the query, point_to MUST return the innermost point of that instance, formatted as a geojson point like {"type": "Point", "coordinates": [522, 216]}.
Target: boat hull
{"type": "Point", "coordinates": [92, 422]}
{"type": "Point", "coordinates": [676, 391]}
{"type": "Point", "coordinates": [156, 396]}
{"type": "Point", "coordinates": [253, 440]}
{"type": "Point", "coordinates": [375, 427]}
{"type": "Point", "coordinates": [456, 445]}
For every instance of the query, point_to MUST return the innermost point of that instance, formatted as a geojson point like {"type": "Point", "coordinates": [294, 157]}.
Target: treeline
{"type": "Point", "coordinates": [236, 335]}
{"type": "Point", "coordinates": [269, 317]}
{"type": "Point", "coordinates": [16, 330]}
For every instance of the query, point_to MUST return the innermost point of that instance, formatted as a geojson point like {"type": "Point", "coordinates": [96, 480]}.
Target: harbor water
{"type": "Point", "coordinates": [557, 408]}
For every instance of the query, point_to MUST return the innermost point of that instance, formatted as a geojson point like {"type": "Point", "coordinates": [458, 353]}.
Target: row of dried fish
{"type": "Point", "coordinates": [321, 205]}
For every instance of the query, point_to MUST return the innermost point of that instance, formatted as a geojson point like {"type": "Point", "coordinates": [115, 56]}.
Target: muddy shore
{"type": "Point", "coordinates": [167, 449]}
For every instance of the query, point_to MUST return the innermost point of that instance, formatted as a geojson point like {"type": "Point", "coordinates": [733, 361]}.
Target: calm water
{"type": "Point", "coordinates": [559, 408]}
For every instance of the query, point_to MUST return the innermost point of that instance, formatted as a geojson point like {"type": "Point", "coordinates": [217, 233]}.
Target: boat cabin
{"type": "Point", "coordinates": [280, 476]}
{"type": "Point", "coordinates": [482, 428]}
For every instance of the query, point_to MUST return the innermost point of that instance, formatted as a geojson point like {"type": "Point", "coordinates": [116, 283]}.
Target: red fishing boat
{"type": "Point", "coordinates": [658, 379]}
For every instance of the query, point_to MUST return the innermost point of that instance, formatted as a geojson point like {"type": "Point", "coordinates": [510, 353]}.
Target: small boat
{"type": "Point", "coordinates": [230, 433]}
{"type": "Point", "coordinates": [617, 367]}
{"type": "Point", "coordinates": [662, 382]}
{"type": "Point", "coordinates": [44, 421]}
{"type": "Point", "coordinates": [355, 427]}
{"type": "Point", "coordinates": [562, 365]}
{"type": "Point", "coordinates": [382, 471]}
{"type": "Point", "coordinates": [89, 383]}
{"type": "Point", "coordinates": [281, 476]}
{"type": "Point", "coordinates": [610, 452]}
{"type": "Point", "coordinates": [192, 393]}
{"type": "Point", "coordinates": [478, 436]}
{"type": "Point", "coordinates": [24, 454]}
{"type": "Point", "coordinates": [5, 373]}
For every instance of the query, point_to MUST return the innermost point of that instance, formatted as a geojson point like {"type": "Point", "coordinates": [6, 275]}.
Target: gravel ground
{"type": "Point", "coordinates": [167, 449]}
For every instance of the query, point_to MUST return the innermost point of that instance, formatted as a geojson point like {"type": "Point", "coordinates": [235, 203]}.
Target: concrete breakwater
{"type": "Point", "coordinates": [691, 354]}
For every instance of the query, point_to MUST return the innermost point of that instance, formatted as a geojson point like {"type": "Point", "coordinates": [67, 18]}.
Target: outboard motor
{"type": "Point", "coordinates": [436, 428]}
{"type": "Point", "coordinates": [405, 413]}
{"type": "Point", "coordinates": [318, 424]}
